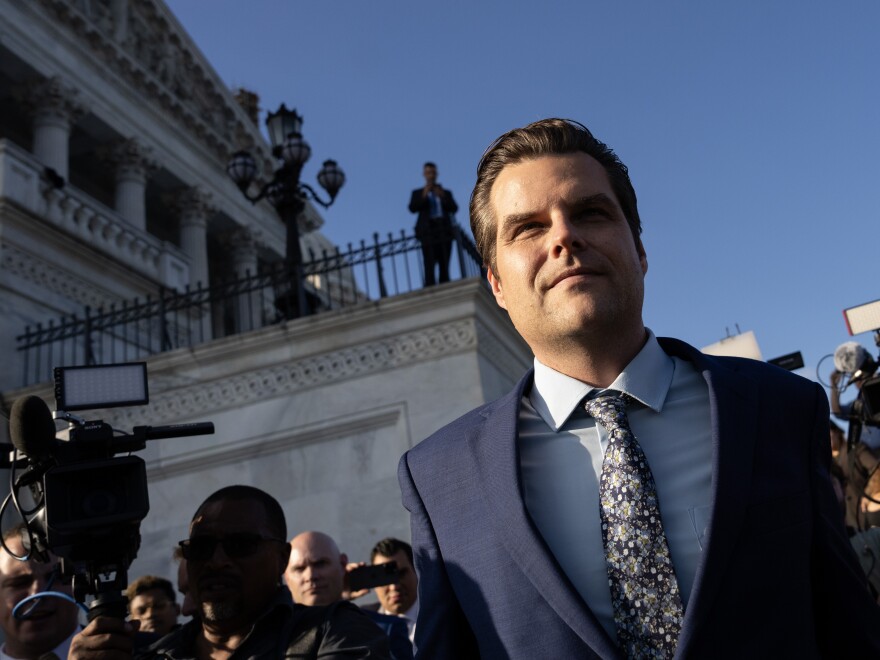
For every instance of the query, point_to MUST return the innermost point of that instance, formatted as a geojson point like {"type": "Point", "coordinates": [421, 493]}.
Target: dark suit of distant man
{"type": "Point", "coordinates": [435, 207]}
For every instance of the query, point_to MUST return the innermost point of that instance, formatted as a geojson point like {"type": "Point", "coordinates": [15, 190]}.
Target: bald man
{"type": "Point", "coordinates": [316, 575]}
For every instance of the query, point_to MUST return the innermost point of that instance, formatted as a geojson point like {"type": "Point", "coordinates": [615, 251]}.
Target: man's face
{"type": "Point", "coordinates": [430, 174]}
{"type": "Point", "coordinates": [397, 598]}
{"type": "Point", "coordinates": [316, 571]}
{"type": "Point", "coordinates": [53, 619]}
{"type": "Point", "coordinates": [155, 611]}
{"type": "Point", "coordinates": [232, 591]}
{"type": "Point", "coordinates": [566, 267]}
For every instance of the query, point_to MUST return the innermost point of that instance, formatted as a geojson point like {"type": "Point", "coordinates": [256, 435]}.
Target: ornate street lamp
{"type": "Point", "coordinates": [285, 191]}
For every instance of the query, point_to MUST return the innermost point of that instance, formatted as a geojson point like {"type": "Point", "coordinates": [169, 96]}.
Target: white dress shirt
{"type": "Point", "coordinates": [561, 450]}
{"type": "Point", "coordinates": [410, 617]}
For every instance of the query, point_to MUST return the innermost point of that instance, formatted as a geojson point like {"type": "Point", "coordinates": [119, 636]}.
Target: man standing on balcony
{"type": "Point", "coordinates": [435, 207]}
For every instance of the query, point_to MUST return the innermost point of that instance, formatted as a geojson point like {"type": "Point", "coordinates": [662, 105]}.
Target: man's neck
{"type": "Point", "coordinates": [213, 643]}
{"type": "Point", "coordinates": [596, 363]}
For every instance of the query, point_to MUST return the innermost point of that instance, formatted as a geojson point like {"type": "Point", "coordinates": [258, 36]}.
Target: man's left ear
{"type": "Point", "coordinates": [643, 257]}
{"type": "Point", "coordinates": [495, 283]}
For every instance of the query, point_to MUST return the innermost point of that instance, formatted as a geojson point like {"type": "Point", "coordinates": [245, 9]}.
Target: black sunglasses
{"type": "Point", "coordinates": [236, 546]}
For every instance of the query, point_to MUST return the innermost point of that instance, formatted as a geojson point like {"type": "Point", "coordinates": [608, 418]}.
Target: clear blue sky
{"type": "Point", "coordinates": [750, 130]}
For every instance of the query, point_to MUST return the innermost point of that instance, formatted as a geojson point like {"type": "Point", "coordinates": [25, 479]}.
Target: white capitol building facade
{"type": "Point", "coordinates": [114, 134]}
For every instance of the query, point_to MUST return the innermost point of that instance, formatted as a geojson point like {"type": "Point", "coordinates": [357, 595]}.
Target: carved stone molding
{"type": "Point", "coordinates": [49, 277]}
{"type": "Point", "coordinates": [139, 42]}
{"type": "Point", "coordinates": [286, 379]}
{"type": "Point", "coordinates": [50, 97]}
{"type": "Point", "coordinates": [131, 158]}
{"type": "Point", "coordinates": [193, 205]}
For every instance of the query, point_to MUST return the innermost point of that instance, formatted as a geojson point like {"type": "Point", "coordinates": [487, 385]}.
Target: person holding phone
{"type": "Point", "coordinates": [435, 207]}
{"type": "Point", "coordinates": [319, 574]}
{"type": "Point", "coordinates": [400, 598]}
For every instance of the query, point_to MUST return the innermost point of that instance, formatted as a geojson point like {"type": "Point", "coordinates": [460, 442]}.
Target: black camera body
{"type": "Point", "coordinates": [867, 405]}
{"type": "Point", "coordinates": [88, 502]}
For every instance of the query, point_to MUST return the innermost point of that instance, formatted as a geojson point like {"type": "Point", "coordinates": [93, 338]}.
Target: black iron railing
{"type": "Point", "coordinates": [171, 319]}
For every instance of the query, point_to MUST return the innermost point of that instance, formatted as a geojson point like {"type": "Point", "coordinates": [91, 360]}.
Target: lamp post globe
{"type": "Point", "coordinates": [287, 193]}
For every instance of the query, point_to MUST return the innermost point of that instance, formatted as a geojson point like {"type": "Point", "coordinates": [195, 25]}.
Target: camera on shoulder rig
{"type": "Point", "coordinates": [853, 359]}
{"type": "Point", "coordinates": [88, 502]}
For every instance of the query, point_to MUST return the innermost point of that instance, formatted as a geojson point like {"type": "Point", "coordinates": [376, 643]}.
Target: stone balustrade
{"type": "Point", "coordinates": [78, 214]}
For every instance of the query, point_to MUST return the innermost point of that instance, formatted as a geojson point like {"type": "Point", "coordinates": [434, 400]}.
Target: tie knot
{"type": "Point", "coordinates": [609, 410]}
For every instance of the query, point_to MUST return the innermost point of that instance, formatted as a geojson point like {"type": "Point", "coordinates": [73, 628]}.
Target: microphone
{"type": "Point", "coordinates": [174, 430]}
{"type": "Point", "coordinates": [31, 427]}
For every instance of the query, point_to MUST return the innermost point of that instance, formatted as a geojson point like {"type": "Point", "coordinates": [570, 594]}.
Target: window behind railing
{"type": "Point", "coordinates": [171, 319]}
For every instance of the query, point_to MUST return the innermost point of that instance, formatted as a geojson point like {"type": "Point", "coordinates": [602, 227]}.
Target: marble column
{"type": "Point", "coordinates": [194, 207]}
{"type": "Point", "coordinates": [248, 304]}
{"type": "Point", "coordinates": [55, 107]}
{"type": "Point", "coordinates": [134, 163]}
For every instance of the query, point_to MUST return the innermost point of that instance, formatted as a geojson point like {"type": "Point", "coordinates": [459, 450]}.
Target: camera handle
{"type": "Point", "coordinates": [106, 582]}
{"type": "Point", "coordinates": [110, 603]}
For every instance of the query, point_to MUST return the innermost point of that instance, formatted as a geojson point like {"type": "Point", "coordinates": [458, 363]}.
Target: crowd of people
{"type": "Point", "coordinates": [242, 585]}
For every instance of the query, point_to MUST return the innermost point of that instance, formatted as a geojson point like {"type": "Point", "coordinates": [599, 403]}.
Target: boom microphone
{"type": "Point", "coordinates": [852, 358]}
{"type": "Point", "coordinates": [31, 427]}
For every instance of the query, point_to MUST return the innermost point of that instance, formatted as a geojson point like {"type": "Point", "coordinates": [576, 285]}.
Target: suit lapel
{"type": "Point", "coordinates": [497, 459]}
{"type": "Point", "coordinates": [733, 401]}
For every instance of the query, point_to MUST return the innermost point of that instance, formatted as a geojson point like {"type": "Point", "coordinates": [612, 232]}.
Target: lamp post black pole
{"type": "Point", "coordinates": [290, 206]}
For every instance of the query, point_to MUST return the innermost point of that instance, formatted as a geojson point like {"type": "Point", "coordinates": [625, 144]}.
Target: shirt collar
{"type": "Point", "coordinates": [646, 378]}
{"type": "Point", "coordinates": [412, 613]}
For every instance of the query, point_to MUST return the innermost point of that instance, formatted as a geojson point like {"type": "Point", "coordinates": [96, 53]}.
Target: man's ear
{"type": "Point", "coordinates": [495, 283]}
{"type": "Point", "coordinates": [285, 556]}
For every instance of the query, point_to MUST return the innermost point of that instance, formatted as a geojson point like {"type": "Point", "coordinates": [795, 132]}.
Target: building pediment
{"type": "Point", "coordinates": [148, 49]}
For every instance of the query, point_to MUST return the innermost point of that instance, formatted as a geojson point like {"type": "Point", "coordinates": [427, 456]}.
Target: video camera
{"type": "Point", "coordinates": [88, 502]}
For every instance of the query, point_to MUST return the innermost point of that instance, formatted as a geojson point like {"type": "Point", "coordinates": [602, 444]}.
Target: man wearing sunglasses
{"type": "Point", "coordinates": [236, 554]}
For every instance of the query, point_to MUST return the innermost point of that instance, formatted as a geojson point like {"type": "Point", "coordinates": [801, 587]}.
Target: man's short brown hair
{"type": "Point", "coordinates": [547, 137]}
{"type": "Point", "coordinates": [148, 583]}
{"type": "Point", "coordinates": [388, 547]}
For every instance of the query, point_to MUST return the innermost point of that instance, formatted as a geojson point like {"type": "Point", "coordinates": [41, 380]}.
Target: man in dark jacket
{"type": "Point", "coordinates": [435, 207]}
{"type": "Point", "coordinates": [236, 554]}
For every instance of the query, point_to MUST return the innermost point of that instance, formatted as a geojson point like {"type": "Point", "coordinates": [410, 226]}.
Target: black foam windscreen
{"type": "Point", "coordinates": [31, 426]}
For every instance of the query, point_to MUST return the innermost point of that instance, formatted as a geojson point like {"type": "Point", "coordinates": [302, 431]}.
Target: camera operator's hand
{"type": "Point", "coordinates": [105, 638]}
{"type": "Point", "coordinates": [835, 378]}
{"type": "Point", "coordinates": [347, 593]}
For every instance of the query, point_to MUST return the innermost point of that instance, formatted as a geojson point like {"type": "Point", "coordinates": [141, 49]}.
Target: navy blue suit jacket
{"type": "Point", "coordinates": [777, 578]}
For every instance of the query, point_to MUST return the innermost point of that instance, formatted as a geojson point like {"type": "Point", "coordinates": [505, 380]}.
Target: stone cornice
{"type": "Point", "coordinates": [142, 43]}
{"type": "Point", "coordinates": [188, 401]}
{"type": "Point", "coordinates": [239, 450]}
{"type": "Point", "coordinates": [46, 275]}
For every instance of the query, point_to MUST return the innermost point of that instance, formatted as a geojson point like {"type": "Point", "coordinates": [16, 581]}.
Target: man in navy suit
{"type": "Point", "coordinates": [509, 504]}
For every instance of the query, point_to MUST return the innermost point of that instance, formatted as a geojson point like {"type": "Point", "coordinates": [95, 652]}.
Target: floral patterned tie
{"type": "Point", "coordinates": [644, 592]}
